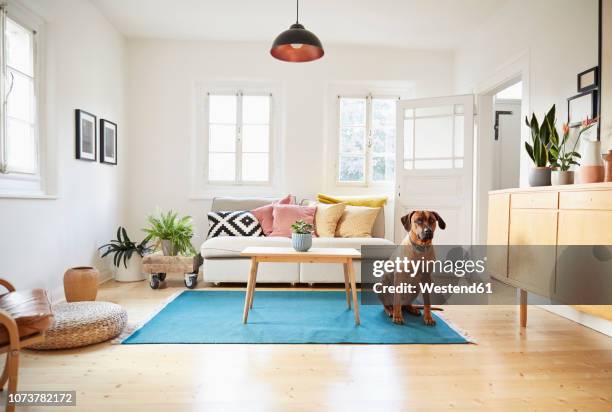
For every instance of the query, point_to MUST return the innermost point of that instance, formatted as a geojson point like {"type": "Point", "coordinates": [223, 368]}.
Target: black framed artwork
{"type": "Point", "coordinates": [581, 107]}
{"type": "Point", "coordinates": [108, 142]}
{"type": "Point", "coordinates": [588, 79]}
{"type": "Point", "coordinates": [86, 135]}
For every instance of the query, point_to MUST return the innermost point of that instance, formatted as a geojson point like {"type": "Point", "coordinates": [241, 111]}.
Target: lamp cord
{"type": "Point", "coordinates": [297, 11]}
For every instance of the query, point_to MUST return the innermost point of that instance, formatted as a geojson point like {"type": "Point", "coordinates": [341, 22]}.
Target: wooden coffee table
{"type": "Point", "coordinates": [343, 256]}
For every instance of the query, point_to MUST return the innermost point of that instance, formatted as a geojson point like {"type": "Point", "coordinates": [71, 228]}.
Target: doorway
{"type": "Point", "coordinates": [507, 137]}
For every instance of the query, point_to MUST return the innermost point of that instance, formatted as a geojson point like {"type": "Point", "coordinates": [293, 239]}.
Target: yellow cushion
{"type": "Point", "coordinates": [375, 201]}
{"type": "Point", "coordinates": [326, 218]}
{"type": "Point", "coordinates": [357, 221]}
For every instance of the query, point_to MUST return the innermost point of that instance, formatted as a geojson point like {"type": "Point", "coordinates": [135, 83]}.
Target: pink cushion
{"type": "Point", "coordinates": [286, 215]}
{"type": "Point", "coordinates": [265, 216]}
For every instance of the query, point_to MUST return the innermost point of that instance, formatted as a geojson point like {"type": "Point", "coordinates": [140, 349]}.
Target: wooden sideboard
{"type": "Point", "coordinates": [551, 215]}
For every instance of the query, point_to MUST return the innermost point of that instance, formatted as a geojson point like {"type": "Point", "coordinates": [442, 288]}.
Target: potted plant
{"type": "Point", "coordinates": [301, 236]}
{"type": "Point", "coordinates": [564, 158]}
{"type": "Point", "coordinates": [173, 233]}
{"type": "Point", "coordinates": [539, 149]}
{"type": "Point", "coordinates": [127, 256]}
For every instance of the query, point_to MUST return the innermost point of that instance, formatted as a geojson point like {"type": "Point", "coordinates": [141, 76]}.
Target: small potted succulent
{"type": "Point", "coordinates": [301, 235]}
{"type": "Point", "coordinates": [539, 149]}
{"type": "Point", "coordinates": [127, 256]}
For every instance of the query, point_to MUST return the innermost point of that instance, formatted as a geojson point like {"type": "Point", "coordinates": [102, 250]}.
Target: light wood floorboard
{"type": "Point", "coordinates": [553, 365]}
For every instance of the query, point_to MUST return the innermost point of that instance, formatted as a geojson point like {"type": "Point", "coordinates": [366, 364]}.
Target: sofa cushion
{"type": "Point", "coordinates": [265, 213]}
{"type": "Point", "coordinates": [326, 218]}
{"type": "Point", "coordinates": [230, 247]}
{"type": "Point", "coordinates": [357, 221]}
{"type": "Point", "coordinates": [286, 215]}
{"type": "Point", "coordinates": [233, 223]}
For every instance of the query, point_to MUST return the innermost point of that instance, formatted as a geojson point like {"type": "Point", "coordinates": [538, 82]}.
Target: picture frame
{"type": "Point", "coordinates": [86, 135]}
{"type": "Point", "coordinates": [588, 79]}
{"type": "Point", "coordinates": [581, 106]}
{"type": "Point", "coordinates": [108, 142]}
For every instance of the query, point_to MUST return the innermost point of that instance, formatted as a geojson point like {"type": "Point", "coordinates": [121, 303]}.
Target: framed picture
{"type": "Point", "coordinates": [108, 142]}
{"type": "Point", "coordinates": [588, 79]}
{"type": "Point", "coordinates": [581, 107]}
{"type": "Point", "coordinates": [86, 135]}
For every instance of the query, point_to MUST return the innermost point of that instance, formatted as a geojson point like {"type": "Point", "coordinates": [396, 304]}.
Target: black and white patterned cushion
{"type": "Point", "coordinates": [233, 223]}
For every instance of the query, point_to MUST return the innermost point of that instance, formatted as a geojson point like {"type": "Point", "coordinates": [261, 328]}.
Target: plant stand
{"type": "Point", "coordinates": [157, 266]}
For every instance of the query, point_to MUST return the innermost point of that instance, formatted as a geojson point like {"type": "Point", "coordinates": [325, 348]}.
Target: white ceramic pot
{"type": "Point", "coordinates": [133, 272]}
{"type": "Point", "coordinates": [591, 164]}
{"type": "Point", "coordinates": [558, 177]}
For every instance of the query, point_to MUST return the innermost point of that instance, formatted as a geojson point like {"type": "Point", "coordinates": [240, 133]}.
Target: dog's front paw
{"type": "Point", "coordinates": [398, 320]}
{"type": "Point", "coordinates": [429, 320]}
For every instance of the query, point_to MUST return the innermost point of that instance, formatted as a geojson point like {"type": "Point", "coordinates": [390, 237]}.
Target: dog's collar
{"type": "Point", "coordinates": [420, 248]}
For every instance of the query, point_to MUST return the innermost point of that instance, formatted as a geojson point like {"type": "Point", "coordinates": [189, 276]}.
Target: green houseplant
{"type": "Point", "coordinates": [565, 158]}
{"type": "Point", "coordinates": [172, 233]}
{"type": "Point", "coordinates": [127, 255]}
{"type": "Point", "coordinates": [539, 148]}
{"type": "Point", "coordinates": [301, 235]}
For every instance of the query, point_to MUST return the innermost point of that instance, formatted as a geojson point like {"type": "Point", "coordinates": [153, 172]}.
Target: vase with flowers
{"type": "Point", "coordinates": [562, 158]}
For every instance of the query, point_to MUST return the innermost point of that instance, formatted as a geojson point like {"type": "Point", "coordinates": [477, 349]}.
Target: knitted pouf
{"type": "Point", "coordinates": [83, 323]}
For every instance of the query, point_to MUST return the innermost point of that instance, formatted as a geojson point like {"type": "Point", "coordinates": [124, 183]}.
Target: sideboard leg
{"type": "Point", "coordinates": [523, 311]}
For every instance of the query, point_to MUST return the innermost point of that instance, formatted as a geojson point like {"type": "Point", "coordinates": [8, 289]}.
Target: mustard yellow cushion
{"type": "Point", "coordinates": [357, 221]}
{"type": "Point", "coordinates": [326, 218]}
{"type": "Point", "coordinates": [376, 201]}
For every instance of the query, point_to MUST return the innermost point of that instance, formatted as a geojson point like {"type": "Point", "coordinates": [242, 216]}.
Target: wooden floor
{"type": "Point", "coordinates": [554, 365]}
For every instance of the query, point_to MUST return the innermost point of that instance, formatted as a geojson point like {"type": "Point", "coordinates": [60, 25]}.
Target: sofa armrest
{"type": "Point", "coordinates": [7, 285]}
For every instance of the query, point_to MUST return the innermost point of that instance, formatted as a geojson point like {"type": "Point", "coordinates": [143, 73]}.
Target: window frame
{"type": "Point", "coordinates": [238, 181]}
{"type": "Point", "coordinates": [19, 183]}
{"type": "Point", "coordinates": [368, 154]}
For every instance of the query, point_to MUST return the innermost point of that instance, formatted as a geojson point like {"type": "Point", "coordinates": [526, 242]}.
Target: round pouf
{"type": "Point", "coordinates": [83, 323]}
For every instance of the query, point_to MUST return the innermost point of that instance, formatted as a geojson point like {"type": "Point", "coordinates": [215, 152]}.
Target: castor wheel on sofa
{"type": "Point", "coordinates": [154, 282]}
{"type": "Point", "coordinates": [161, 277]}
{"type": "Point", "coordinates": [191, 280]}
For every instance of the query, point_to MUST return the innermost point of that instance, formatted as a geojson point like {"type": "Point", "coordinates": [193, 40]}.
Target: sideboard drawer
{"type": "Point", "coordinates": [542, 200]}
{"type": "Point", "coordinates": [587, 199]}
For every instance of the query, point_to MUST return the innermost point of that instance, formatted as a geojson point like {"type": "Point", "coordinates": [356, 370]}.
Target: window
{"type": "Point", "coordinates": [239, 138]}
{"type": "Point", "coordinates": [366, 152]}
{"type": "Point", "coordinates": [433, 137]}
{"type": "Point", "coordinates": [19, 141]}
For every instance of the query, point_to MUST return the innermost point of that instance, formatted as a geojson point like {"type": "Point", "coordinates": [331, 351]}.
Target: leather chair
{"type": "Point", "coordinates": [24, 318]}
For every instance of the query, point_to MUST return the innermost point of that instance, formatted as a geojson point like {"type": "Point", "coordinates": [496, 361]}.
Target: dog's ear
{"type": "Point", "coordinates": [441, 221]}
{"type": "Point", "coordinates": [406, 220]}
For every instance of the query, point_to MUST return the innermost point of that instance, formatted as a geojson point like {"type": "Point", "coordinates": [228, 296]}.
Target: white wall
{"type": "Point", "coordinates": [41, 238]}
{"type": "Point", "coordinates": [559, 38]}
{"type": "Point", "coordinates": [162, 76]}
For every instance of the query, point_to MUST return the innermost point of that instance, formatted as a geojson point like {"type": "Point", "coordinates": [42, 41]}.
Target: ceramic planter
{"type": "Point", "coordinates": [301, 241]}
{"type": "Point", "coordinates": [591, 164]}
{"type": "Point", "coordinates": [81, 284]}
{"type": "Point", "coordinates": [560, 177]}
{"type": "Point", "coordinates": [539, 176]}
{"type": "Point", "coordinates": [168, 247]}
{"type": "Point", "coordinates": [133, 272]}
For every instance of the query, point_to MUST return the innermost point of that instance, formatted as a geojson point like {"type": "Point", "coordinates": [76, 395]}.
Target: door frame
{"type": "Point", "coordinates": [512, 71]}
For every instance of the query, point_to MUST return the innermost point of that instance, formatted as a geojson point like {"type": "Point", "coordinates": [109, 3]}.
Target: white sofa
{"type": "Point", "coordinates": [223, 263]}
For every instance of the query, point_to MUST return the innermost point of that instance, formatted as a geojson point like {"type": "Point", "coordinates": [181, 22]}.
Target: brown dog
{"type": "Point", "coordinates": [417, 245]}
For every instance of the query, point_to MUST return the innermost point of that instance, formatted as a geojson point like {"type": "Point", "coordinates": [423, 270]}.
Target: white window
{"type": "Point", "coordinates": [239, 138]}
{"type": "Point", "coordinates": [366, 152]}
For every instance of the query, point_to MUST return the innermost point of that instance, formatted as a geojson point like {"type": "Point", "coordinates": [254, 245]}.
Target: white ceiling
{"type": "Point", "coordinates": [425, 24]}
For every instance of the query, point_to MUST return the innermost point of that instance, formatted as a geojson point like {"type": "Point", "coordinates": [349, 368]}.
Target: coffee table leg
{"type": "Point", "coordinates": [347, 287]}
{"type": "Point", "coordinates": [254, 267]}
{"type": "Point", "coordinates": [351, 273]}
{"type": "Point", "coordinates": [250, 288]}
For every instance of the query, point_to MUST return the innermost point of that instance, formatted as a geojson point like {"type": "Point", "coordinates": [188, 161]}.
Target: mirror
{"type": "Point", "coordinates": [605, 65]}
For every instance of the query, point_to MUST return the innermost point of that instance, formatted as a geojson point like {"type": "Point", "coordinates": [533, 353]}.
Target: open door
{"type": "Point", "coordinates": [435, 164]}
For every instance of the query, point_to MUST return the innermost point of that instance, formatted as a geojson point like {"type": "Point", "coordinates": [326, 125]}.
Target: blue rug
{"type": "Point", "coordinates": [282, 317]}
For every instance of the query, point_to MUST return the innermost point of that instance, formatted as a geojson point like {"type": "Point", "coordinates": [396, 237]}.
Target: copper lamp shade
{"type": "Point", "coordinates": [297, 44]}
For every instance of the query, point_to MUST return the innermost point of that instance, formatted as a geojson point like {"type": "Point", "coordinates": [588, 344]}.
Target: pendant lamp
{"type": "Point", "coordinates": [297, 44]}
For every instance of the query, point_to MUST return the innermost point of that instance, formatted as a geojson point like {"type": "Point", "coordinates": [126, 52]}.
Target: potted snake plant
{"type": "Point", "coordinates": [301, 235]}
{"type": "Point", "coordinates": [539, 148]}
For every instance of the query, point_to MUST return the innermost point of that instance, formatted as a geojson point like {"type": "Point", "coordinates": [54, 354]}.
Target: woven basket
{"type": "Point", "coordinates": [83, 323]}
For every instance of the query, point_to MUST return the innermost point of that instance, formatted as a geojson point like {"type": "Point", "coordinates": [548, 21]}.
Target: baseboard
{"type": "Point", "coordinates": [600, 325]}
